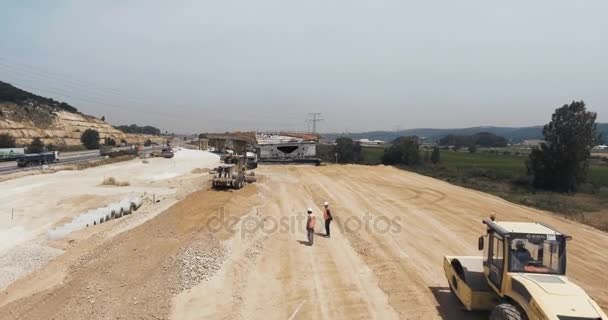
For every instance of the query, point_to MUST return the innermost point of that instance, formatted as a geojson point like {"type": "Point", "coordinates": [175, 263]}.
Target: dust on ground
{"type": "Point", "coordinates": [383, 260]}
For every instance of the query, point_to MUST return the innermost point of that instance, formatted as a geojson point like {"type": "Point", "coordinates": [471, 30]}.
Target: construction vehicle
{"type": "Point", "coordinates": [232, 173]}
{"type": "Point", "coordinates": [521, 275]}
{"type": "Point", "coordinates": [167, 152]}
{"type": "Point", "coordinates": [252, 160]}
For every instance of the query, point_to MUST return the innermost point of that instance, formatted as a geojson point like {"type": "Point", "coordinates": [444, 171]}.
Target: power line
{"type": "Point", "coordinates": [33, 76]}
{"type": "Point", "coordinates": [314, 118]}
{"type": "Point", "coordinates": [122, 108]}
{"type": "Point", "coordinates": [90, 88]}
{"type": "Point", "coordinates": [56, 75]}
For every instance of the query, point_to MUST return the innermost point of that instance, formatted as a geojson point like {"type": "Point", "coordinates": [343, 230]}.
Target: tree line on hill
{"type": "Point", "coordinates": [431, 135]}
{"type": "Point", "coordinates": [560, 164]}
{"type": "Point", "coordinates": [133, 128]}
{"type": "Point", "coordinates": [90, 140]}
{"type": "Point", "coordinates": [9, 93]}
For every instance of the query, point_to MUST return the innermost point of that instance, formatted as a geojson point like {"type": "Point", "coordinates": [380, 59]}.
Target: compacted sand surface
{"type": "Point", "coordinates": [241, 254]}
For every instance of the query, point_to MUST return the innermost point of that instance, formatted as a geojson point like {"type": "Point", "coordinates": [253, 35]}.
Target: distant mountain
{"type": "Point", "coordinates": [512, 134]}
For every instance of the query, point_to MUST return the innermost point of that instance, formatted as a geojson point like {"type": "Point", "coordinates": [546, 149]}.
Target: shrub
{"type": "Point", "coordinates": [109, 142]}
{"type": "Point", "coordinates": [436, 155]}
{"type": "Point", "coordinates": [111, 181]}
{"type": "Point", "coordinates": [90, 139]}
{"type": "Point", "coordinates": [37, 146]}
{"type": "Point", "coordinates": [348, 151]}
{"type": "Point", "coordinates": [404, 150]}
{"type": "Point", "coordinates": [7, 141]}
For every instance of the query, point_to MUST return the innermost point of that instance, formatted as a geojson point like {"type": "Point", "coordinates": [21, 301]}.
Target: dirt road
{"type": "Point", "coordinates": [384, 259]}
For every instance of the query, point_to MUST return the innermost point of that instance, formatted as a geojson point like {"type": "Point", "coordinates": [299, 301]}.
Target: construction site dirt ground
{"type": "Point", "coordinates": [241, 254]}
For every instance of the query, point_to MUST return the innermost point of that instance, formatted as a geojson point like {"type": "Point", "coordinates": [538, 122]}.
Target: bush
{"type": "Point", "coordinates": [472, 148]}
{"type": "Point", "coordinates": [7, 141]}
{"type": "Point", "coordinates": [109, 142]}
{"type": "Point", "coordinates": [404, 150]}
{"type": "Point", "coordinates": [436, 156]}
{"type": "Point", "coordinates": [90, 139]}
{"type": "Point", "coordinates": [148, 143]}
{"type": "Point", "coordinates": [111, 181]}
{"type": "Point", "coordinates": [37, 146]}
{"type": "Point", "coordinates": [348, 151]}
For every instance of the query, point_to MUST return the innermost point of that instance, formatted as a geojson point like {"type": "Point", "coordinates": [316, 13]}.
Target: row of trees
{"type": "Point", "coordinates": [406, 151]}
{"type": "Point", "coordinates": [36, 146]}
{"type": "Point", "coordinates": [133, 128]}
{"type": "Point", "coordinates": [481, 139]}
{"type": "Point", "coordinates": [90, 139]}
{"type": "Point", "coordinates": [560, 164]}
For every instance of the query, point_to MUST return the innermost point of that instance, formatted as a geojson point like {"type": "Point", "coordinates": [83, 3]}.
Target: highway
{"type": "Point", "coordinates": [67, 158]}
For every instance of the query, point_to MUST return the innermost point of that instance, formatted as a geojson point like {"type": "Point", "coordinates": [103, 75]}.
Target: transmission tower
{"type": "Point", "coordinates": [314, 118]}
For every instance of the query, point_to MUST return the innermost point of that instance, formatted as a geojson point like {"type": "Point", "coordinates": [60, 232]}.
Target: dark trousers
{"type": "Point", "coordinates": [327, 222]}
{"type": "Point", "coordinates": [310, 233]}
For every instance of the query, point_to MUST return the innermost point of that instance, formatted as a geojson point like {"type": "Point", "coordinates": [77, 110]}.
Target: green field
{"type": "Point", "coordinates": [501, 167]}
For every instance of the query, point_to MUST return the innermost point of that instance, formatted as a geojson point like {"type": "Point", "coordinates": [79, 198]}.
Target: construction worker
{"type": "Point", "coordinates": [521, 254]}
{"type": "Point", "coordinates": [327, 217]}
{"type": "Point", "coordinates": [310, 226]}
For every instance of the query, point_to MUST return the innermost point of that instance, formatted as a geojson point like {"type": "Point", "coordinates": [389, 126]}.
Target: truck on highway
{"type": "Point", "coordinates": [37, 159]}
{"type": "Point", "coordinates": [9, 154]}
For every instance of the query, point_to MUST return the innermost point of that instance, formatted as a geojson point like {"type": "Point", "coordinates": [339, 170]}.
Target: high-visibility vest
{"type": "Point", "coordinates": [310, 224]}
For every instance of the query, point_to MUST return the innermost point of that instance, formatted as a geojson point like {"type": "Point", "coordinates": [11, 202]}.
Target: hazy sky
{"type": "Point", "coordinates": [195, 66]}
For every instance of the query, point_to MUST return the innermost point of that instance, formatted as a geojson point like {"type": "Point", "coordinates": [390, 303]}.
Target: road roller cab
{"type": "Point", "coordinates": [521, 275]}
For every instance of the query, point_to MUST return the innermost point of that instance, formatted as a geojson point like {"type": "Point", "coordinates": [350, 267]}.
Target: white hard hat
{"type": "Point", "coordinates": [309, 210]}
{"type": "Point", "coordinates": [326, 203]}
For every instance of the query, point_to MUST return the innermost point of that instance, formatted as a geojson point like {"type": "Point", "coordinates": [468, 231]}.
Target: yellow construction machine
{"type": "Point", "coordinates": [521, 275]}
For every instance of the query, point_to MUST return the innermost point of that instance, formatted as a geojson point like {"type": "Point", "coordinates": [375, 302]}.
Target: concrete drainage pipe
{"type": "Point", "coordinates": [136, 202]}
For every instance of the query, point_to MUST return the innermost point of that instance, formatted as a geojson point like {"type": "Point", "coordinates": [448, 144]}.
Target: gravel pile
{"type": "Point", "coordinates": [255, 249]}
{"type": "Point", "coordinates": [200, 262]}
{"type": "Point", "coordinates": [23, 259]}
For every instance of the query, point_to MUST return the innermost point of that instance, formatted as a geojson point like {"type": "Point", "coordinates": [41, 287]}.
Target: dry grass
{"type": "Point", "coordinates": [111, 181]}
{"type": "Point", "coordinates": [199, 170]}
{"type": "Point", "coordinates": [92, 164]}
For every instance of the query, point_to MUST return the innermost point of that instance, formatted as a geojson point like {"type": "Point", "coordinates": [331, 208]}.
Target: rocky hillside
{"type": "Point", "coordinates": [25, 116]}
